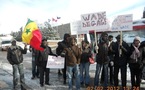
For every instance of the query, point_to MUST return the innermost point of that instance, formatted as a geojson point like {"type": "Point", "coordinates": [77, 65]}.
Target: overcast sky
{"type": "Point", "coordinates": [14, 13]}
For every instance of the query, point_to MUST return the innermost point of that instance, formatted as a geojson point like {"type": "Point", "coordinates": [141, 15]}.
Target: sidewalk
{"type": "Point", "coordinates": [56, 81]}
{"type": "Point", "coordinates": [6, 80]}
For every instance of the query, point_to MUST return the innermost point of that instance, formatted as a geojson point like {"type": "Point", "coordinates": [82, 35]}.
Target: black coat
{"type": "Point", "coordinates": [42, 56]}
{"type": "Point", "coordinates": [15, 55]}
{"type": "Point", "coordinates": [120, 60]}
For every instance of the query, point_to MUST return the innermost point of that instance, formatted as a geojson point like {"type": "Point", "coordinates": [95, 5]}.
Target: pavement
{"type": "Point", "coordinates": [56, 80]}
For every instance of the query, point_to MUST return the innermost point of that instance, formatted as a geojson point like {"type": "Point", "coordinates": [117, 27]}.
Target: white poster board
{"type": "Point", "coordinates": [123, 23]}
{"type": "Point", "coordinates": [55, 62]}
{"type": "Point", "coordinates": [94, 21]}
{"type": "Point", "coordinates": [76, 28]}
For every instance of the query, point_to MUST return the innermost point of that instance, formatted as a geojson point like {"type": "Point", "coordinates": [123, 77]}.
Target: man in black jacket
{"type": "Point", "coordinates": [41, 61]}
{"type": "Point", "coordinates": [61, 45]}
{"type": "Point", "coordinates": [120, 61]}
{"type": "Point", "coordinates": [15, 58]}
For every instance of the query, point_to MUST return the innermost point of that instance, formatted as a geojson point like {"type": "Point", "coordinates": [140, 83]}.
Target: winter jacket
{"type": "Point", "coordinates": [102, 56]}
{"type": "Point", "coordinates": [73, 55]}
{"type": "Point", "coordinates": [15, 55]}
{"type": "Point", "coordinates": [42, 56]}
{"type": "Point", "coordinates": [120, 60]}
{"type": "Point", "coordinates": [61, 46]}
{"type": "Point", "coordinates": [86, 53]}
{"type": "Point", "coordinates": [131, 50]}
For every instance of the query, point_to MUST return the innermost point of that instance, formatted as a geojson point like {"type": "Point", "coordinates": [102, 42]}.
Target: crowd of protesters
{"type": "Point", "coordinates": [111, 57]}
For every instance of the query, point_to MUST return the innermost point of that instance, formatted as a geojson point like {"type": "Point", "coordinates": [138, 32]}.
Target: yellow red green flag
{"type": "Point", "coordinates": [32, 35]}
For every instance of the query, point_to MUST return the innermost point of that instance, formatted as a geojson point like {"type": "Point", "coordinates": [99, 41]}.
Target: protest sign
{"type": "Point", "coordinates": [76, 28]}
{"type": "Point", "coordinates": [55, 62]}
{"type": "Point", "coordinates": [123, 23]}
{"type": "Point", "coordinates": [94, 21]}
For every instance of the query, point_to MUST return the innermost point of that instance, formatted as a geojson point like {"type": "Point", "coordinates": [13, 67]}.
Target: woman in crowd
{"type": "Point", "coordinates": [134, 63]}
{"type": "Point", "coordinates": [85, 64]}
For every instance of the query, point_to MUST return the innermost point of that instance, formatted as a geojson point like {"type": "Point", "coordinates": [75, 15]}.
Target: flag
{"type": "Point", "coordinates": [53, 19]}
{"type": "Point", "coordinates": [58, 17]}
{"type": "Point", "coordinates": [49, 20]}
{"type": "Point", "coordinates": [32, 35]}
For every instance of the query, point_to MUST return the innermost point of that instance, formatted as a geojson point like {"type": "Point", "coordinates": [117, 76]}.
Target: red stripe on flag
{"type": "Point", "coordinates": [36, 40]}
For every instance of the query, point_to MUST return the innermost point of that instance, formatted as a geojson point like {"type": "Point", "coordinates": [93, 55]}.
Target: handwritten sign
{"type": "Point", "coordinates": [94, 21]}
{"type": "Point", "coordinates": [76, 28]}
{"type": "Point", "coordinates": [55, 62]}
{"type": "Point", "coordinates": [123, 23]}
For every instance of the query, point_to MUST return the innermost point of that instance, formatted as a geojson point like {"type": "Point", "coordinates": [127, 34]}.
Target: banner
{"type": "Point", "coordinates": [55, 62]}
{"type": "Point", "coordinates": [76, 28]}
{"type": "Point", "coordinates": [94, 21]}
{"type": "Point", "coordinates": [123, 23]}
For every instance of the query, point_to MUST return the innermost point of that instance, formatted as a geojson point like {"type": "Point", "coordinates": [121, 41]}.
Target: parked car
{"type": "Point", "coordinates": [5, 44]}
{"type": "Point", "coordinates": [130, 37]}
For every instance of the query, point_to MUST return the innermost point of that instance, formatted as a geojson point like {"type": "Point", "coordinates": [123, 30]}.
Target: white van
{"type": "Point", "coordinates": [5, 42]}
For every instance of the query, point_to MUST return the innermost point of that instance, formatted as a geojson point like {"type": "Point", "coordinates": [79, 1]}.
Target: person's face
{"type": "Point", "coordinates": [118, 40]}
{"type": "Point", "coordinates": [14, 43]}
{"type": "Point", "coordinates": [67, 39]}
{"type": "Point", "coordinates": [44, 43]}
{"type": "Point", "coordinates": [73, 42]}
{"type": "Point", "coordinates": [136, 42]}
{"type": "Point", "coordinates": [84, 44]}
{"type": "Point", "coordinates": [105, 38]}
{"type": "Point", "coordinates": [110, 39]}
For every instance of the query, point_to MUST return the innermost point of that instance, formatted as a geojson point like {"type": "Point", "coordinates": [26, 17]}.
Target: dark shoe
{"type": "Point", "coordinates": [41, 85]}
{"type": "Point", "coordinates": [32, 78]}
{"type": "Point", "coordinates": [47, 84]}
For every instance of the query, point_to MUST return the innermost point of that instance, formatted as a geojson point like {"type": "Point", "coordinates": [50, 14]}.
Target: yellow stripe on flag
{"type": "Point", "coordinates": [27, 33]}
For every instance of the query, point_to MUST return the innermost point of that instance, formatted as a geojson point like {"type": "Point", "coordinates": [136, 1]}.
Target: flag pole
{"type": "Point", "coordinates": [96, 41]}
{"type": "Point", "coordinates": [120, 50]}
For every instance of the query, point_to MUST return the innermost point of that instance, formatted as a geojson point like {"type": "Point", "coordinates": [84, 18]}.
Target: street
{"type": "Point", "coordinates": [55, 80]}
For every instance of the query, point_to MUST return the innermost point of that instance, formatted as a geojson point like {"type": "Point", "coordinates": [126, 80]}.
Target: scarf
{"type": "Point", "coordinates": [135, 54]}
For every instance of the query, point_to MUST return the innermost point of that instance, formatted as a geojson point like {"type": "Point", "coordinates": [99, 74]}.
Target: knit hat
{"type": "Point", "coordinates": [137, 38]}
{"type": "Point", "coordinates": [13, 40]}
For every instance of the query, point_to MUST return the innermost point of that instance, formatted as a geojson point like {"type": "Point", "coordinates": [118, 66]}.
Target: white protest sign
{"type": "Point", "coordinates": [76, 28]}
{"type": "Point", "coordinates": [94, 21]}
{"type": "Point", "coordinates": [123, 23]}
{"type": "Point", "coordinates": [55, 62]}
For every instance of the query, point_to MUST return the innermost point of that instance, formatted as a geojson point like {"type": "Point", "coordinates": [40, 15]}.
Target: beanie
{"type": "Point", "coordinates": [137, 38]}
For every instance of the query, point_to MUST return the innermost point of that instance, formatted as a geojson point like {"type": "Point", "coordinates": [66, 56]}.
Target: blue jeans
{"type": "Point", "coordinates": [35, 70]}
{"type": "Point", "coordinates": [97, 74]}
{"type": "Point", "coordinates": [77, 76]}
{"type": "Point", "coordinates": [84, 67]}
{"type": "Point", "coordinates": [17, 67]}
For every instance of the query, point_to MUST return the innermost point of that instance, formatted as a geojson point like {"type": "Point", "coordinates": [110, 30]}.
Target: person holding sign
{"type": "Point", "coordinates": [73, 55]}
{"type": "Point", "coordinates": [102, 60]}
{"type": "Point", "coordinates": [120, 61]}
{"type": "Point", "coordinates": [41, 61]}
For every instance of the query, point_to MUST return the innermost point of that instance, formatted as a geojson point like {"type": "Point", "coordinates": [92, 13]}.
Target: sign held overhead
{"type": "Point", "coordinates": [123, 23]}
{"type": "Point", "coordinates": [93, 21]}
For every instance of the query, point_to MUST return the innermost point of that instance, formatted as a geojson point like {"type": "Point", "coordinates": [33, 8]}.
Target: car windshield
{"type": "Point", "coordinates": [6, 42]}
